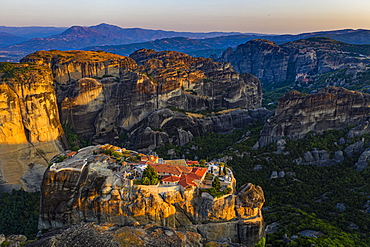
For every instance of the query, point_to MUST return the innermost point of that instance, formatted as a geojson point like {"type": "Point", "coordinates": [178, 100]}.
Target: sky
{"type": "Point", "coordinates": [254, 16]}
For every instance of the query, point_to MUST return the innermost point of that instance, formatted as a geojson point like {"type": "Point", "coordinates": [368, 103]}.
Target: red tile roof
{"type": "Point", "coordinates": [163, 168]}
{"type": "Point", "coordinates": [186, 181]}
{"type": "Point", "coordinates": [188, 174]}
{"type": "Point", "coordinates": [199, 171]}
{"type": "Point", "coordinates": [170, 179]}
{"type": "Point", "coordinates": [71, 154]}
{"type": "Point", "coordinates": [185, 169]}
{"type": "Point", "coordinates": [145, 163]}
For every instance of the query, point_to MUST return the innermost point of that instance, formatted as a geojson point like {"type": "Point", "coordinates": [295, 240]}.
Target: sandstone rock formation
{"type": "Point", "coordinates": [115, 235]}
{"type": "Point", "coordinates": [102, 96]}
{"type": "Point", "coordinates": [330, 108]}
{"type": "Point", "coordinates": [126, 90]}
{"type": "Point", "coordinates": [69, 66]}
{"type": "Point", "coordinates": [90, 187]}
{"type": "Point", "coordinates": [30, 131]}
{"type": "Point", "coordinates": [273, 63]}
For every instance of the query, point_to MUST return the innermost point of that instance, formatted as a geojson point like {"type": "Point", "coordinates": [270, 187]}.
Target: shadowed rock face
{"type": "Point", "coordinates": [126, 90]}
{"type": "Point", "coordinates": [167, 126]}
{"type": "Point", "coordinates": [88, 187]}
{"type": "Point", "coordinates": [330, 108]}
{"type": "Point", "coordinates": [115, 235]}
{"type": "Point", "coordinates": [273, 63]}
{"type": "Point", "coordinates": [30, 131]}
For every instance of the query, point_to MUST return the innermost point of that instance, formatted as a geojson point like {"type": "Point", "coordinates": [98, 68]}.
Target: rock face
{"type": "Point", "coordinates": [114, 235]}
{"type": "Point", "coordinates": [273, 63]}
{"type": "Point", "coordinates": [167, 126]}
{"type": "Point", "coordinates": [330, 108]}
{"type": "Point", "coordinates": [320, 158]}
{"type": "Point", "coordinates": [89, 187]}
{"type": "Point", "coordinates": [30, 131]}
{"type": "Point", "coordinates": [126, 90]}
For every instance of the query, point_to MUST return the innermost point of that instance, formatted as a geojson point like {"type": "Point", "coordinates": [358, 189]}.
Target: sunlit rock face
{"type": "Point", "coordinates": [126, 90]}
{"type": "Point", "coordinates": [90, 187]}
{"type": "Point", "coordinates": [330, 108]}
{"type": "Point", "coordinates": [30, 130]}
{"type": "Point", "coordinates": [70, 66]}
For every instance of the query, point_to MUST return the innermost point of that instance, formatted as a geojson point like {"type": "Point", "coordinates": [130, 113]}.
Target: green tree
{"type": "Point", "coordinates": [145, 180]}
{"type": "Point", "coordinates": [216, 183]}
{"type": "Point", "coordinates": [150, 177]}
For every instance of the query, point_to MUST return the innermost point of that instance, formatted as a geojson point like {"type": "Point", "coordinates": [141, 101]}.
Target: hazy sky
{"type": "Point", "coordinates": [264, 16]}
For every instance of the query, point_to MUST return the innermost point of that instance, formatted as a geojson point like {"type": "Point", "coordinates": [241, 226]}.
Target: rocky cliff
{"type": "Point", "coordinates": [330, 108]}
{"type": "Point", "coordinates": [90, 187]}
{"type": "Point", "coordinates": [273, 63]}
{"type": "Point", "coordinates": [104, 96]}
{"type": "Point", "coordinates": [30, 131]}
{"type": "Point", "coordinates": [115, 235]}
{"type": "Point", "coordinates": [178, 128]}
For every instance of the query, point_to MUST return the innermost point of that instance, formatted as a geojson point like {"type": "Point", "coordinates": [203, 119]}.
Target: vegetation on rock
{"type": "Point", "coordinates": [150, 177]}
{"type": "Point", "coordinates": [74, 141]}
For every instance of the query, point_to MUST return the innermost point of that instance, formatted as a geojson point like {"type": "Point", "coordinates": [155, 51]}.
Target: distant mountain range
{"type": "Point", "coordinates": [16, 43]}
{"type": "Point", "coordinates": [33, 31]}
{"type": "Point", "coordinates": [77, 37]}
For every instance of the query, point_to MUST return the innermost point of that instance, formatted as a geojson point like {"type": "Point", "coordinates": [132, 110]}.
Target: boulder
{"type": "Point", "coordinates": [338, 157]}
{"type": "Point", "coordinates": [274, 174]}
{"type": "Point", "coordinates": [317, 157]}
{"type": "Point", "coordinates": [357, 147]}
{"type": "Point", "coordinates": [362, 162]}
{"type": "Point", "coordinates": [2, 238]}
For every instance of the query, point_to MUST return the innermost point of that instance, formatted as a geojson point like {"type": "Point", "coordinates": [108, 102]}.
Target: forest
{"type": "Point", "coordinates": [328, 199]}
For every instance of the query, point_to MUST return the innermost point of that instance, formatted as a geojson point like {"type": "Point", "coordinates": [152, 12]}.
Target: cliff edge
{"type": "Point", "coordinates": [30, 130]}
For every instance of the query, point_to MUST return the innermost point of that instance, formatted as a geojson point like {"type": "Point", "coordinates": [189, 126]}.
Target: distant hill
{"type": "Point", "coordinates": [7, 39]}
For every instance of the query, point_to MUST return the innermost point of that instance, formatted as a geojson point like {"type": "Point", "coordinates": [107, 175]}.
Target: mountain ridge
{"type": "Point", "coordinates": [104, 35]}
